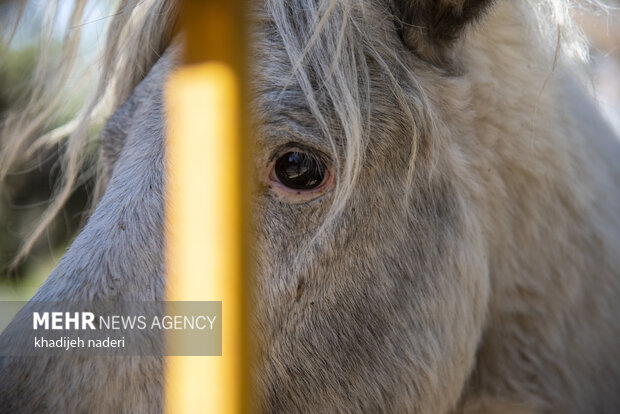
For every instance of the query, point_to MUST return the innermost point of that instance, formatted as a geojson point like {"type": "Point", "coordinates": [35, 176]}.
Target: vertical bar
{"type": "Point", "coordinates": [204, 209]}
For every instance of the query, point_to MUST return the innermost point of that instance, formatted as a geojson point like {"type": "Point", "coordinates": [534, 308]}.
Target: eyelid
{"type": "Point", "coordinates": [297, 147]}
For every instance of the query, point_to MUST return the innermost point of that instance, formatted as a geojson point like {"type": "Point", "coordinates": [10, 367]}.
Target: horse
{"type": "Point", "coordinates": [436, 212]}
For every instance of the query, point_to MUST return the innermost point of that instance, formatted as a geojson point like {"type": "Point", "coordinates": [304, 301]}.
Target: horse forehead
{"type": "Point", "coordinates": [279, 106]}
{"type": "Point", "coordinates": [281, 113]}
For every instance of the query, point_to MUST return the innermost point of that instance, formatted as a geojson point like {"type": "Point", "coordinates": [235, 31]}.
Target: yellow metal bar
{"type": "Point", "coordinates": [204, 208]}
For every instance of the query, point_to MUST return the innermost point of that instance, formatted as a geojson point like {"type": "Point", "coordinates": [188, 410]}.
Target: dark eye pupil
{"type": "Point", "coordinates": [299, 171]}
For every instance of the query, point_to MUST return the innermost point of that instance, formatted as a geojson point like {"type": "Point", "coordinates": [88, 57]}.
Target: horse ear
{"type": "Point", "coordinates": [432, 27]}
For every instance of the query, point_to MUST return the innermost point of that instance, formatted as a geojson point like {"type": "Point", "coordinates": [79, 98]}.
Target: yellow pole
{"type": "Point", "coordinates": [204, 208]}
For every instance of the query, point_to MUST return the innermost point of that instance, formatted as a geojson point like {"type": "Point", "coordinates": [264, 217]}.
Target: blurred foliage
{"type": "Point", "coordinates": [26, 191]}
{"type": "Point", "coordinates": [15, 75]}
{"type": "Point", "coordinates": [28, 187]}
{"type": "Point", "coordinates": [34, 275]}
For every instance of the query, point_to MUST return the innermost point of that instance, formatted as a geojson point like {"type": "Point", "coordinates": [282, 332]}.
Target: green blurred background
{"type": "Point", "coordinates": [25, 194]}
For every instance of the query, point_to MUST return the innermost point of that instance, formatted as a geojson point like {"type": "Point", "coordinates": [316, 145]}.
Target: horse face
{"type": "Point", "coordinates": [370, 277]}
{"type": "Point", "coordinates": [369, 291]}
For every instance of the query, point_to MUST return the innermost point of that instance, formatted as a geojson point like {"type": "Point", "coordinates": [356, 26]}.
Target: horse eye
{"type": "Point", "coordinates": [300, 171]}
